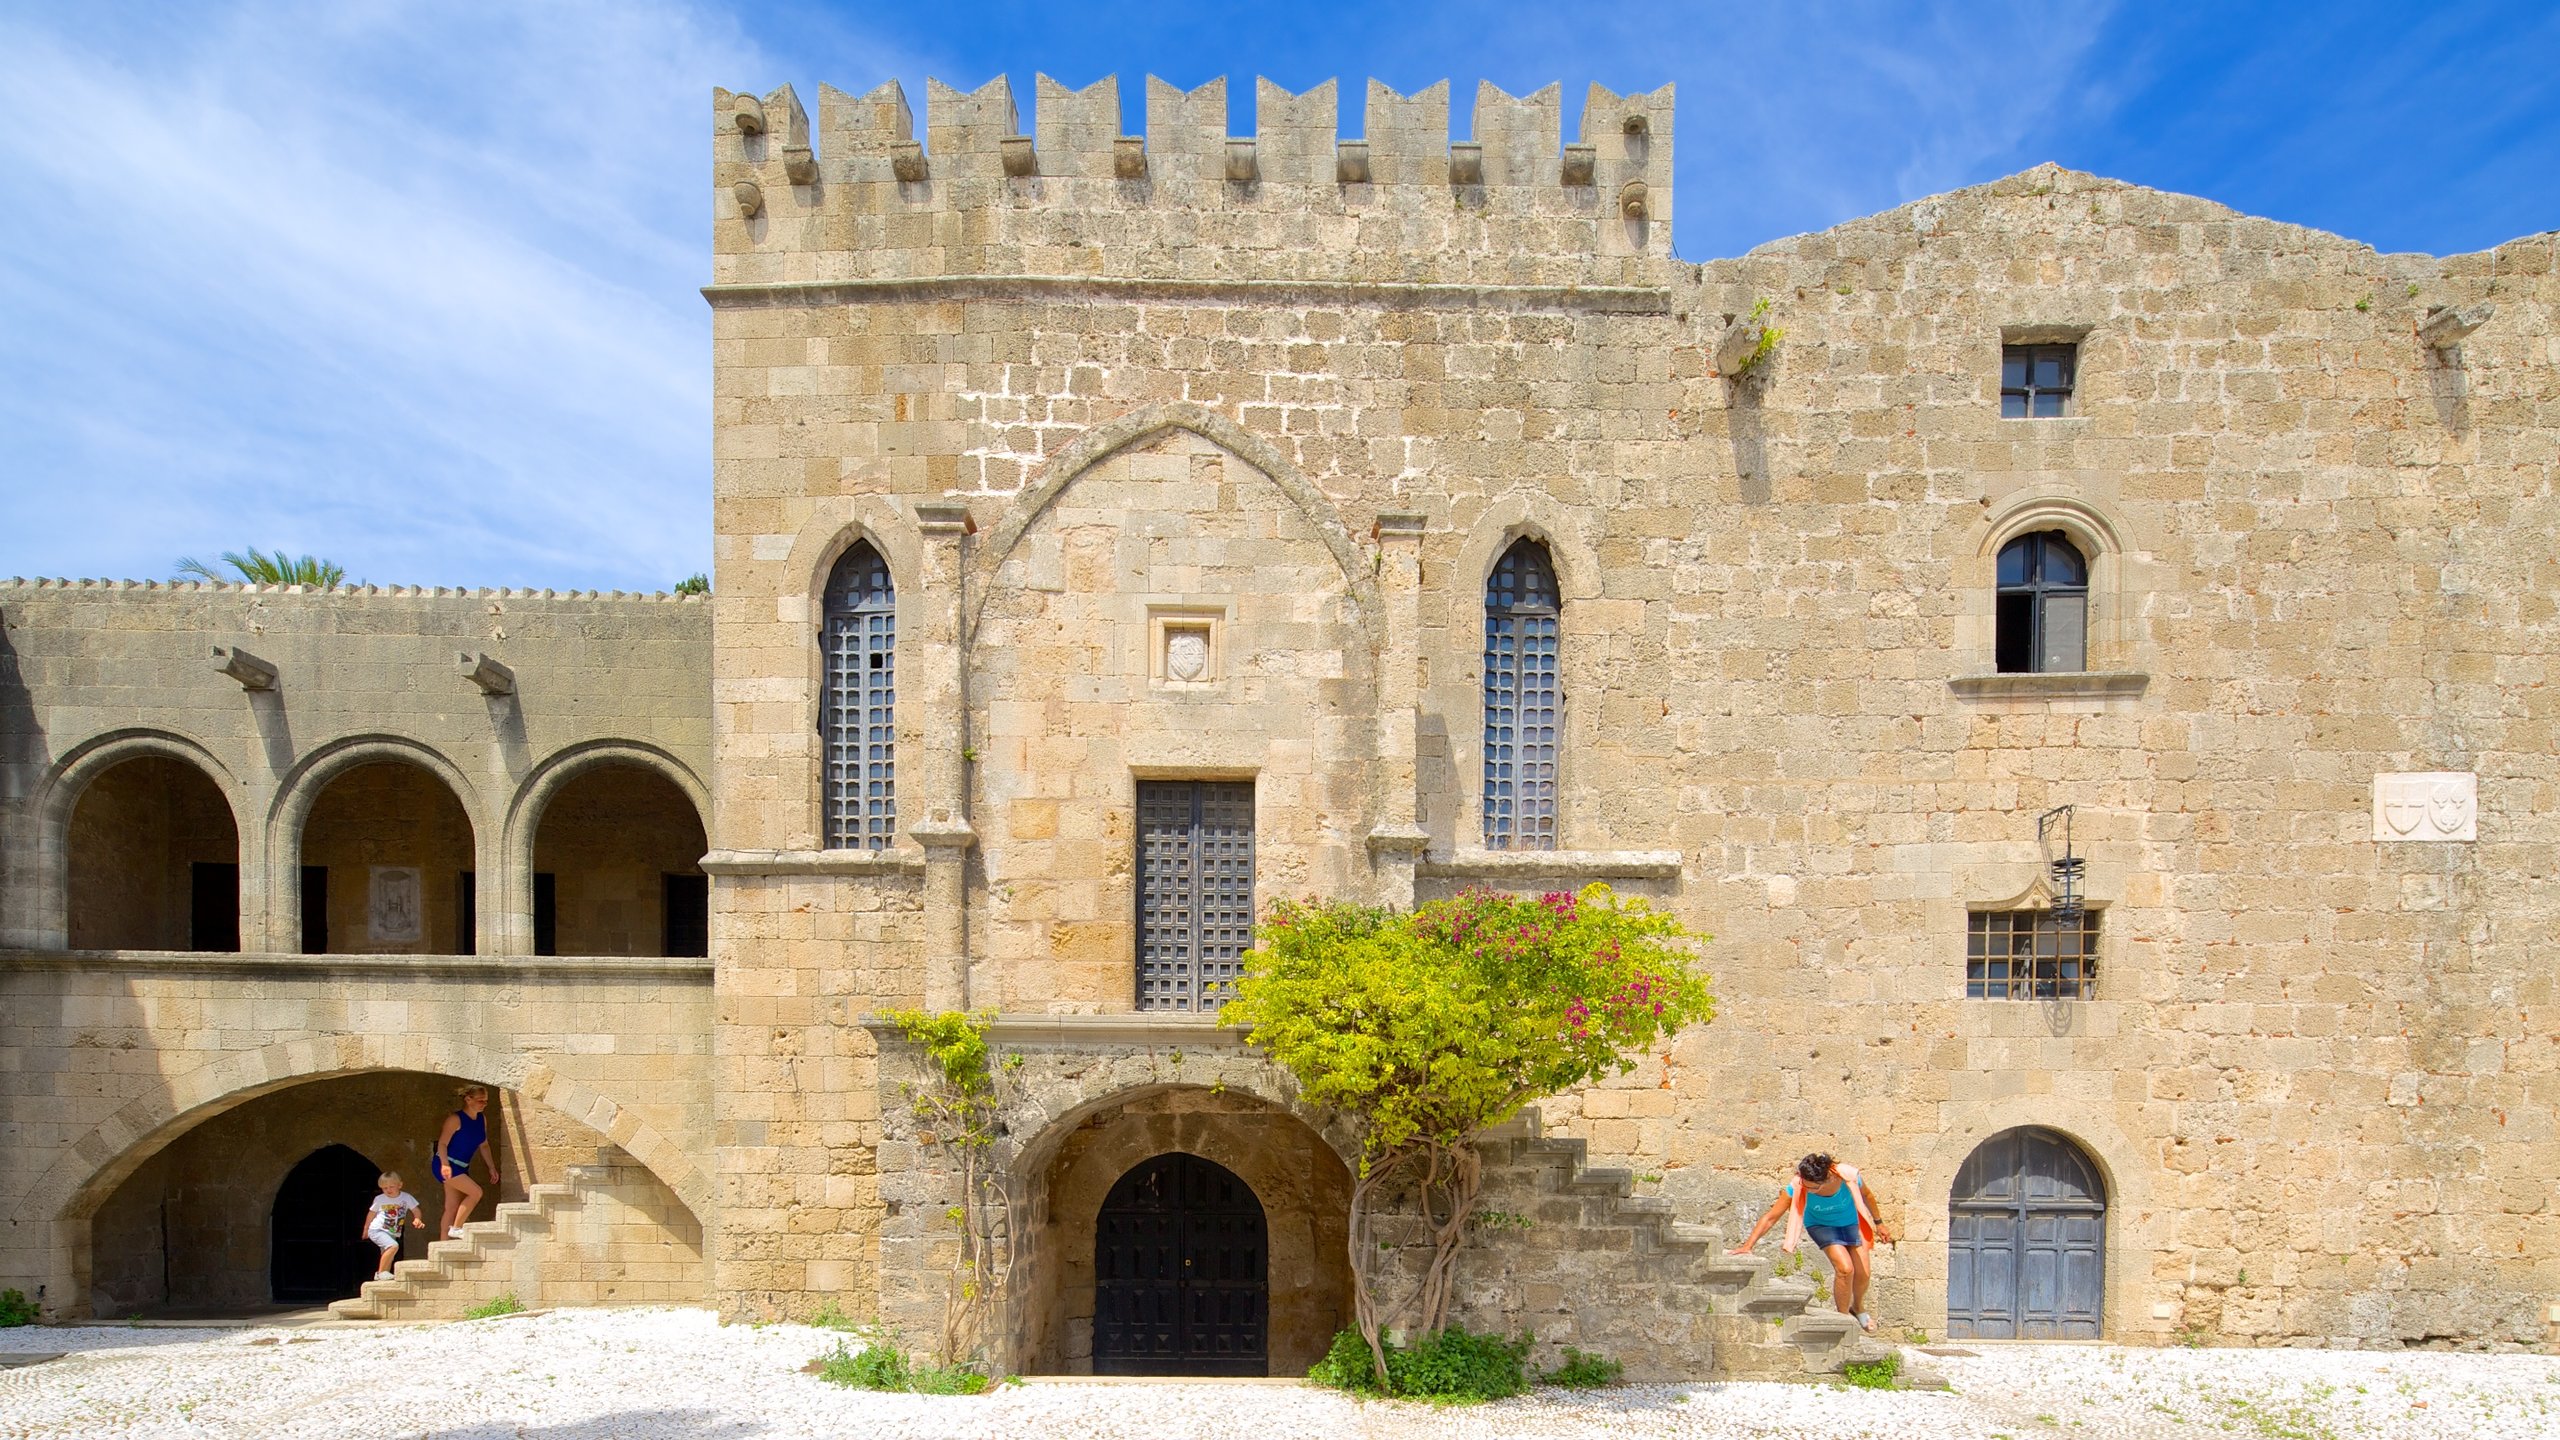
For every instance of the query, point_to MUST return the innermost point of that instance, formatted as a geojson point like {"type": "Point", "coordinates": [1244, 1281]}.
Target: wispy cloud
{"type": "Point", "coordinates": [413, 286]}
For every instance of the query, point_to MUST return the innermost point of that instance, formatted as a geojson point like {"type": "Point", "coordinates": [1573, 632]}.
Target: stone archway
{"type": "Point", "coordinates": [1068, 1174]}
{"type": "Point", "coordinates": [92, 1167]}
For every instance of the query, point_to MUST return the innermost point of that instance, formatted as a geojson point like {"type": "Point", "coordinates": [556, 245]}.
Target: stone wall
{"type": "Point", "coordinates": [2311, 1056]}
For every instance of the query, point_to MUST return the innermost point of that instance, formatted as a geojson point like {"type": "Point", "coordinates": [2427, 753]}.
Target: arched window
{"type": "Point", "coordinates": [1522, 700]}
{"type": "Point", "coordinates": [2043, 619]}
{"type": "Point", "coordinates": [858, 721]}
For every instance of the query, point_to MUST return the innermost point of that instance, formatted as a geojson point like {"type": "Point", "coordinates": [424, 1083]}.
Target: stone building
{"type": "Point", "coordinates": [2082, 652]}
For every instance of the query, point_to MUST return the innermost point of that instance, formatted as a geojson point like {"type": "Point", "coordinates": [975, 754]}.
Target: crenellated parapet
{"type": "Point", "coordinates": [973, 192]}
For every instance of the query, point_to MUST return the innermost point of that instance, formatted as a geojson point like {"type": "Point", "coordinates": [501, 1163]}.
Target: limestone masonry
{"type": "Point", "coordinates": [1117, 532]}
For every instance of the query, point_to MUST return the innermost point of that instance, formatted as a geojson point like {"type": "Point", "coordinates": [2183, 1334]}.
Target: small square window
{"type": "Point", "coordinates": [2036, 380]}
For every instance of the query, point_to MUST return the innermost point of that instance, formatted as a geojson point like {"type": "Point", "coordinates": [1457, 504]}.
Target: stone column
{"type": "Point", "coordinates": [940, 799]}
{"type": "Point", "coordinates": [1396, 837]}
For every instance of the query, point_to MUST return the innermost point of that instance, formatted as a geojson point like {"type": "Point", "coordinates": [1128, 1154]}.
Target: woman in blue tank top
{"type": "Point", "coordinates": [465, 1135]}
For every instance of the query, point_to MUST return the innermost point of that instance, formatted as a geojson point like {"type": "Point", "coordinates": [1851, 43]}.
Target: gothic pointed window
{"type": "Point", "coordinates": [2042, 621]}
{"type": "Point", "coordinates": [857, 721]}
{"type": "Point", "coordinates": [1523, 700]}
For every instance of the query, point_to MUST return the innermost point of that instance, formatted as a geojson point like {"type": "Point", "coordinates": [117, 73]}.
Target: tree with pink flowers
{"type": "Point", "coordinates": [1425, 1029]}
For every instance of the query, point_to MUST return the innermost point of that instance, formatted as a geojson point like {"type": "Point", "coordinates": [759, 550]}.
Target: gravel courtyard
{"type": "Point", "coordinates": [677, 1375]}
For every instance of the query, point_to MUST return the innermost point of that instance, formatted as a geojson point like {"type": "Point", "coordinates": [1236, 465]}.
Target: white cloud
{"type": "Point", "coordinates": [410, 286]}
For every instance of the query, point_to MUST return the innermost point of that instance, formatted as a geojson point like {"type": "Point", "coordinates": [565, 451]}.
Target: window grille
{"type": "Point", "coordinates": [2031, 955]}
{"type": "Point", "coordinates": [1522, 698]}
{"type": "Point", "coordinates": [1195, 891]}
{"type": "Point", "coordinates": [2042, 622]}
{"type": "Point", "coordinates": [2036, 380]}
{"type": "Point", "coordinates": [858, 720]}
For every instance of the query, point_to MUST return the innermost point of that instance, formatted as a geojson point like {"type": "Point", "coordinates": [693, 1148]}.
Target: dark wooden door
{"type": "Point", "coordinates": [1195, 891]}
{"type": "Point", "coordinates": [1181, 1268]}
{"type": "Point", "coordinates": [2026, 1241]}
{"type": "Point", "coordinates": [316, 1231]}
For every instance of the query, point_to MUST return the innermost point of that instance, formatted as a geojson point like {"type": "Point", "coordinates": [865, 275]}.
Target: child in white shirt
{"type": "Point", "coordinates": [382, 1221]}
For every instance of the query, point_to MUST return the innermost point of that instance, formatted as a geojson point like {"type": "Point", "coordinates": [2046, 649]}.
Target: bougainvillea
{"type": "Point", "coordinates": [1426, 1029]}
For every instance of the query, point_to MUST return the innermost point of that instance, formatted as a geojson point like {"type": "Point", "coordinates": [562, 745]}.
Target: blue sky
{"type": "Point", "coordinates": [414, 285]}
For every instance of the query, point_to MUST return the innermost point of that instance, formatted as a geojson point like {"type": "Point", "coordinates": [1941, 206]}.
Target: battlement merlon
{"type": "Point", "coordinates": [1517, 202]}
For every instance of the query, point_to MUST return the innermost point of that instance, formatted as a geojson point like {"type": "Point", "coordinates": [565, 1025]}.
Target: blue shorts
{"type": "Point", "coordinates": [1826, 1236]}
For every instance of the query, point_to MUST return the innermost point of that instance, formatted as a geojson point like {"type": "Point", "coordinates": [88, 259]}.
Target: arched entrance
{"type": "Point", "coordinates": [317, 1254]}
{"type": "Point", "coordinates": [617, 868]}
{"type": "Point", "coordinates": [2026, 1241]}
{"type": "Point", "coordinates": [1181, 1273]}
{"type": "Point", "coordinates": [154, 860]}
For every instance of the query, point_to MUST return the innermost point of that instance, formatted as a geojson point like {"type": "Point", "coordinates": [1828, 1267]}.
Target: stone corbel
{"type": "Point", "coordinates": [492, 677]}
{"type": "Point", "coordinates": [1241, 165]}
{"type": "Point", "coordinates": [801, 164]}
{"type": "Point", "coordinates": [252, 672]}
{"type": "Point", "coordinates": [1581, 165]}
{"type": "Point", "coordinates": [2445, 326]}
{"type": "Point", "coordinates": [750, 198]}
{"type": "Point", "coordinates": [748, 113]}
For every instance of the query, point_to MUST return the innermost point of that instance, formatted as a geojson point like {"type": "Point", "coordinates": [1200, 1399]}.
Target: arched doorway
{"type": "Point", "coordinates": [318, 1252]}
{"type": "Point", "coordinates": [387, 865]}
{"type": "Point", "coordinates": [617, 867]}
{"type": "Point", "coordinates": [1181, 1273]}
{"type": "Point", "coordinates": [2026, 1241]}
{"type": "Point", "coordinates": [154, 860]}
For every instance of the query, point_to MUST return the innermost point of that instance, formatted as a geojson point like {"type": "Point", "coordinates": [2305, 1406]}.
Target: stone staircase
{"type": "Point", "coordinates": [1601, 1267]}
{"type": "Point", "coordinates": [483, 1264]}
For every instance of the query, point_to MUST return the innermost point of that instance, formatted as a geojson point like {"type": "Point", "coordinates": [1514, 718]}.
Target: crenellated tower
{"type": "Point", "coordinates": [976, 194]}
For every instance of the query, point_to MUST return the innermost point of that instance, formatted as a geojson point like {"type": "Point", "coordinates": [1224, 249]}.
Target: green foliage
{"type": "Point", "coordinates": [1770, 335]}
{"type": "Point", "coordinates": [2364, 302]}
{"type": "Point", "coordinates": [1440, 1023]}
{"type": "Point", "coordinates": [1583, 1370]}
{"type": "Point", "coordinates": [1453, 1367]}
{"type": "Point", "coordinates": [1873, 1374]}
{"type": "Point", "coordinates": [874, 1367]}
{"type": "Point", "coordinates": [502, 1303]}
{"type": "Point", "coordinates": [1425, 1029]}
{"type": "Point", "coordinates": [16, 1309]}
{"type": "Point", "coordinates": [257, 567]}
{"type": "Point", "coordinates": [829, 1317]}
{"type": "Point", "coordinates": [881, 1365]}
{"type": "Point", "coordinates": [696, 583]}
{"type": "Point", "coordinates": [949, 1380]}
{"type": "Point", "coordinates": [959, 1105]}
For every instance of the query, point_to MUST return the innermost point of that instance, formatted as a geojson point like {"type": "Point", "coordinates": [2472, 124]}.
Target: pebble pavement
{"type": "Point", "coordinates": [679, 1375]}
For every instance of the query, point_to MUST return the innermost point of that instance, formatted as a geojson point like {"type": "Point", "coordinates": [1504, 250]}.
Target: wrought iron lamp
{"type": "Point", "coordinates": [2068, 868]}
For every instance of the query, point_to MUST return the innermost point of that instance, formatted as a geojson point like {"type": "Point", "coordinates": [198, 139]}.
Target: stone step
{"type": "Point", "coordinates": [1778, 1295]}
{"type": "Point", "coordinates": [1606, 1180]}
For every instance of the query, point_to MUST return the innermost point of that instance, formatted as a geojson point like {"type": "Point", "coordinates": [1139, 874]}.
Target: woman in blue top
{"type": "Point", "coordinates": [465, 1134]}
{"type": "Point", "coordinates": [1830, 1202]}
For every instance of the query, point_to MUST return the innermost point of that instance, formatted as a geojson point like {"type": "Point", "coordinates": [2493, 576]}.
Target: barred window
{"type": "Point", "coordinates": [1522, 700]}
{"type": "Point", "coordinates": [857, 721]}
{"type": "Point", "coordinates": [2036, 380]}
{"type": "Point", "coordinates": [2032, 955]}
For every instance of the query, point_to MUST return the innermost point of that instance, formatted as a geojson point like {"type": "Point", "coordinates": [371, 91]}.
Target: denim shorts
{"type": "Point", "coordinates": [1825, 1236]}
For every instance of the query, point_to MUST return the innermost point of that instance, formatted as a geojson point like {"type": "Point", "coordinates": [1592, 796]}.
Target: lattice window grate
{"type": "Point", "coordinates": [1523, 698]}
{"type": "Point", "coordinates": [2031, 955]}
{"type": "Point", "coordinates": [1195, 891]}
{"type": "Point", "coordinates": [858, 723]}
